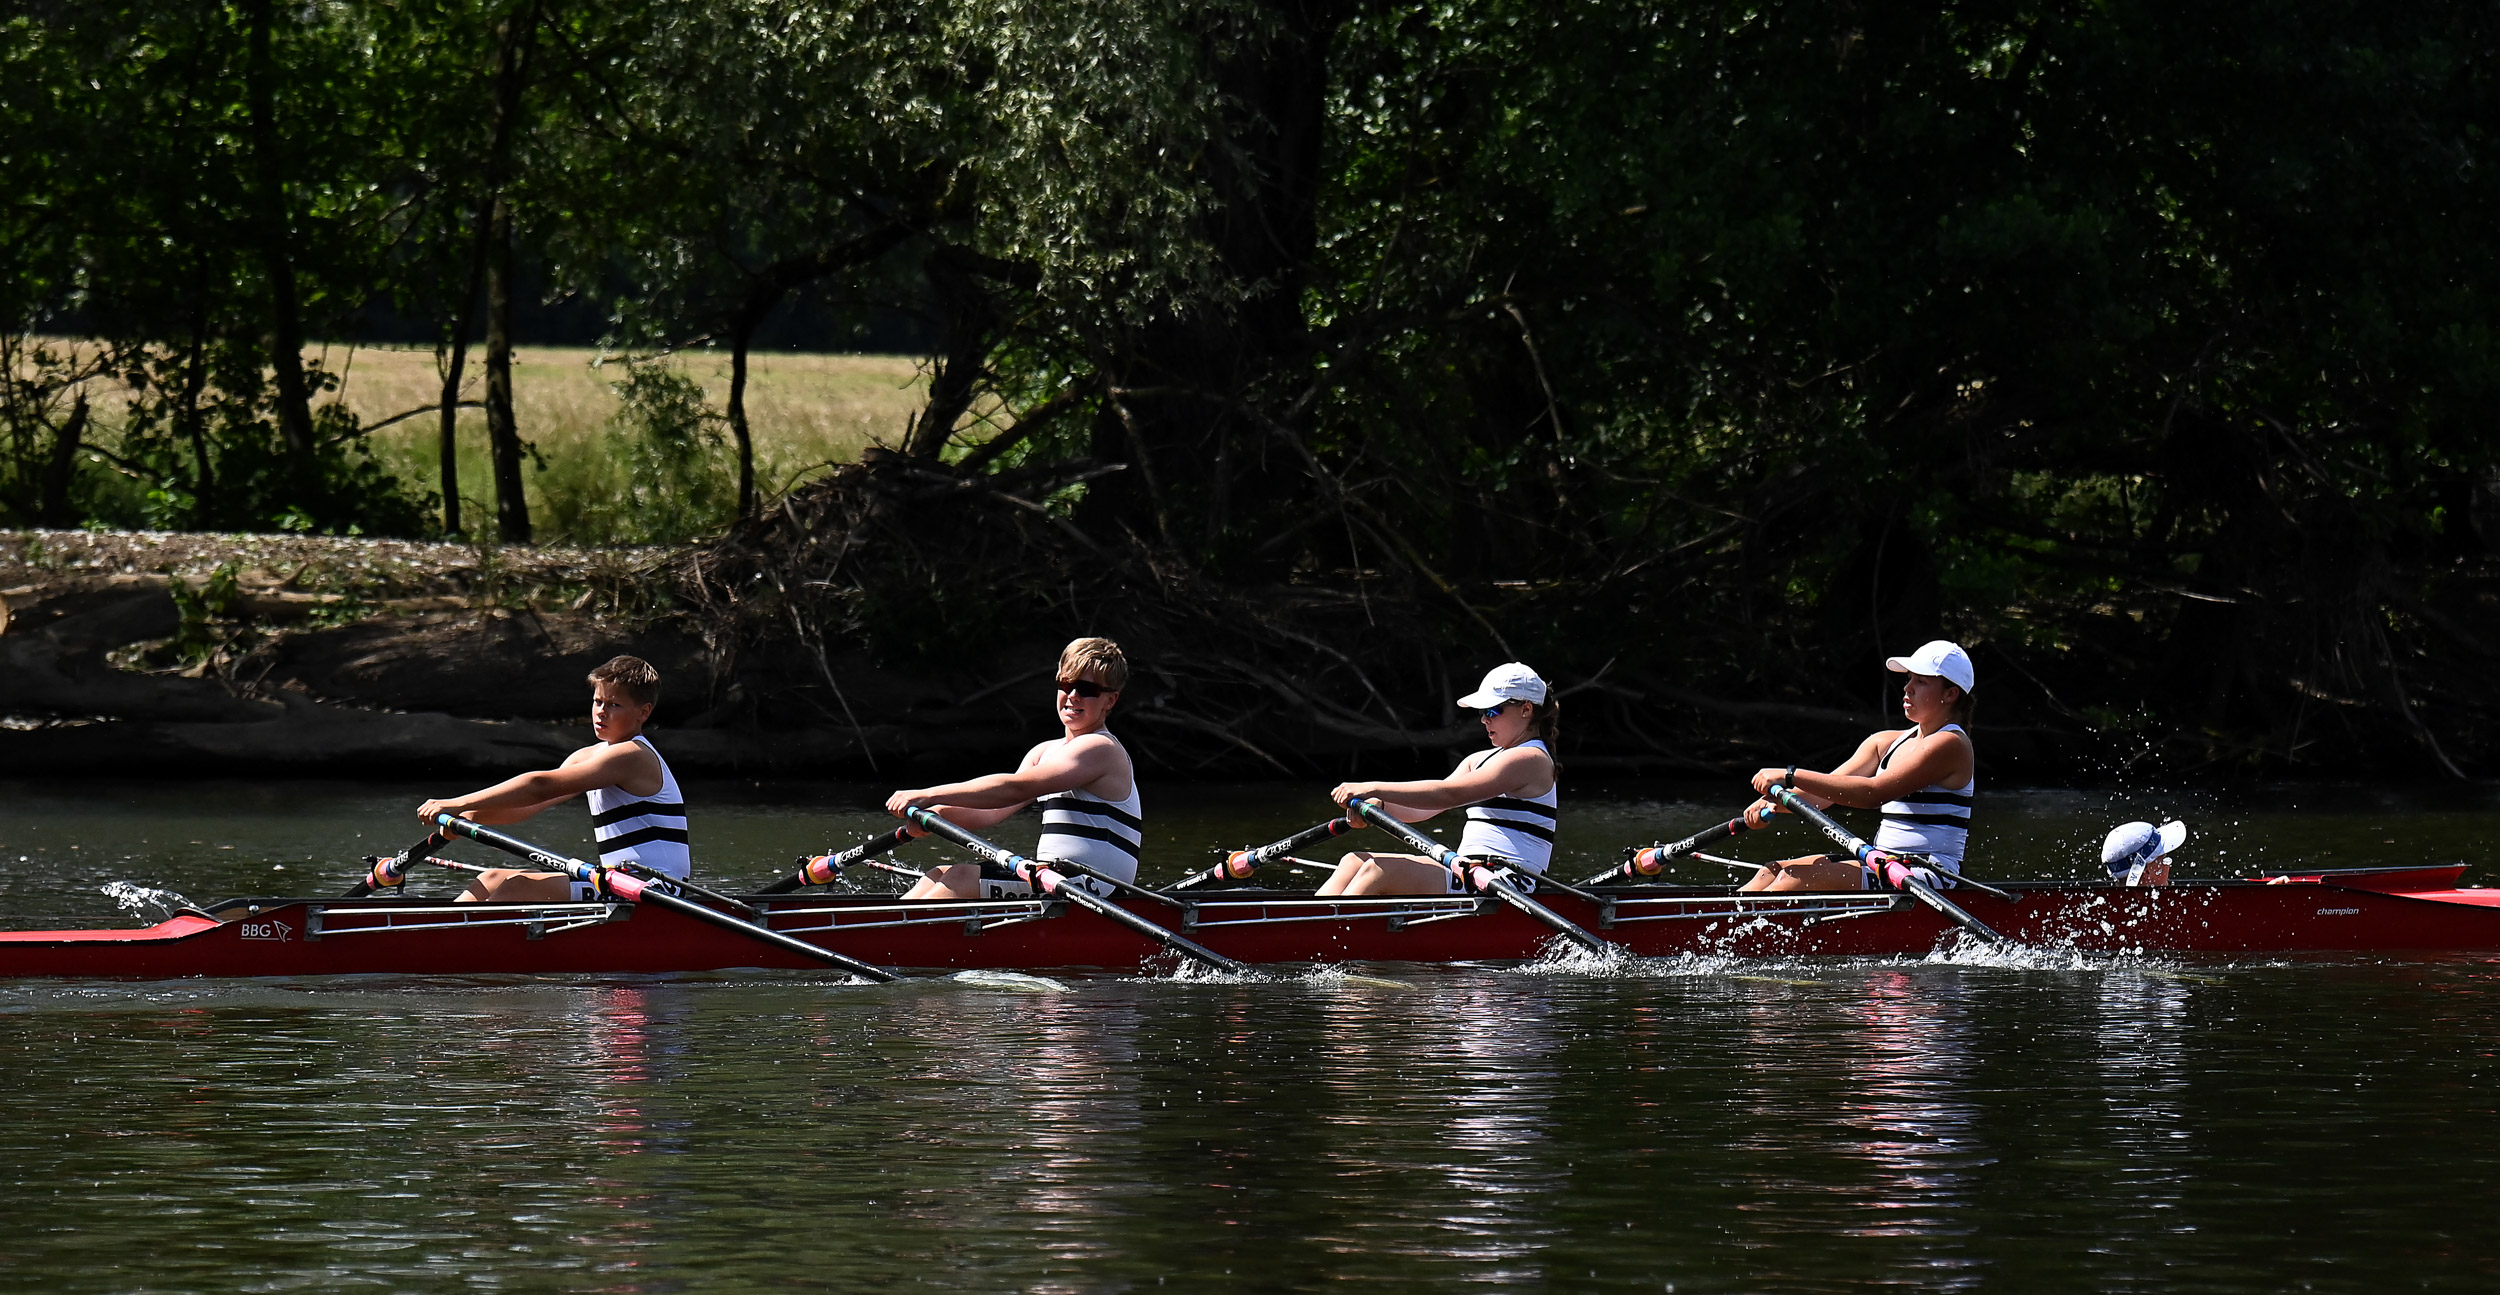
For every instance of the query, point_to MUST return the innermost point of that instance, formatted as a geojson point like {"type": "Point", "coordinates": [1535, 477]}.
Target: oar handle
{"type": "Point", "coordinates": [826, 869]}
{"type": "Point", "coordinates": [1787, 798]}
{"type": "Point", "coordinates": [1650, 860]}
{"type": "Point", "coordinates": [1241, 865]}
{"type": "Point", "coordinates": [623, 885]}
{"type": "Point", "coordinates": [1025, 870]}
{"type": "Point", "coordinates": [1378, 815]}
{"type": "Point", "coordinates": [390, 871]}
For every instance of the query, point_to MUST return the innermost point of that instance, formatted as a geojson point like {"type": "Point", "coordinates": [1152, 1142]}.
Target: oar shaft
{"type": "Point", "coordinates": [1649, 861]}
{"type": "Point", "coordinates": [825, 869]}
{"type": "Point", "coordinates": [1241, 865]}
{"type": "Point", "coordinates": [1046, 878]}
{"type": "Point", "coordinates": [632, 889]}
{"type": "Point", "coordinates": [1495, 879]}
{"type": "Point", "coordinates": [1865, 853]}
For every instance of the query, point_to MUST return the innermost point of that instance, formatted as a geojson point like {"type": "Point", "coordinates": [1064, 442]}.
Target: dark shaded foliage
{"type": "Point", "coordinates": [1693, 352]}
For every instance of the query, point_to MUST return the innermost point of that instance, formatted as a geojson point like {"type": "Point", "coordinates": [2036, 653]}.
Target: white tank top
{"type": "Point", "coordinates": [1081, 827]}
{"type": "Point", "coordinates": [1933, 821]}
{"type": "Point", "coordinates": [649, 830]}
{"type": "Point", "coordinates": [1519, 830]}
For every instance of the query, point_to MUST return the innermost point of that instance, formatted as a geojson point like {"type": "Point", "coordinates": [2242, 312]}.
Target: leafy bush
{"type": "Point", "coordinates": [665, 478]}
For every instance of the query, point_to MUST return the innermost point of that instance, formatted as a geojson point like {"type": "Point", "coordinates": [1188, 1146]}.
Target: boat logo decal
{"type": "Point", "coordinates": [271, 930]}
{"type": "Point", "coordinates": [2338, 912]}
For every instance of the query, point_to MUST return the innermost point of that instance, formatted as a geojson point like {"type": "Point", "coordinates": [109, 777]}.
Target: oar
{"type": "Point", "coordinates": [1867, 854]}
{"type": "Point", "coordinates": [826, 869]}
{"type": "Point", "coordinates": [682, 886]}
{"type": "Point", "coordinates": [632, 889]}
{"type": "Point", "coordinates": [1495, 879]}
{"type": "Point", "coordinates": [1241, 864]}
{"type": "Point", "coordinates": [1650, 860]}
{"type": "Point", "coordinates": [1049, 879]}
{"type": "Point", "coordinates": [393, 870]}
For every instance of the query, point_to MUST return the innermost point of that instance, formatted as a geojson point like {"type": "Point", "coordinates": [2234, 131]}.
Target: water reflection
{"type": "Point", "coordinates": [1477, 1066]}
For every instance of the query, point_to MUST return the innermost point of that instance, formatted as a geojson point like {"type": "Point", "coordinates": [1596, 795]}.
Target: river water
{"type": "Point", "coordinates": [2011, 1123]}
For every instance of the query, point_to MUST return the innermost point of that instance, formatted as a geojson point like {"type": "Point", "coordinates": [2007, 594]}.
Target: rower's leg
{"type": "Point", "coordinates": [1813, 872]}
{"type": "Point", "coordinates": [953, 881]}
{"type": "Point", "coordinates": [513, 886]}
{"type": "Point", "coordinates": [1365, 873]}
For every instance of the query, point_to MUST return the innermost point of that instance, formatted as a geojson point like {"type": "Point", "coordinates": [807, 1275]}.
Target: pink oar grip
{"type": "Point", "coordinates": [622, 886]}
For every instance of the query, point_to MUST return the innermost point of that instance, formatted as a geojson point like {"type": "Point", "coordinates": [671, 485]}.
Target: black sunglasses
{"type": "Point", "coordinates": [1083, 688]}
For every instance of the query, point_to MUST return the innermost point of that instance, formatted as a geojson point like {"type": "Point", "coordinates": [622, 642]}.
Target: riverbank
{"type": "Point", "coordinates": [897, 620]}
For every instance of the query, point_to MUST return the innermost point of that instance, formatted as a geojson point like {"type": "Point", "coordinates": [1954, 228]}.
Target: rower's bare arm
{"type": "Point", "coordinates": [629, 765]}
{"type": "Point", "coordinates": [1940, 759]}
{"type": "Point", "coordinates": [1518, 771]}
{"type": "Point", "coordinates": [1816, 788]}
{"type": "Point", "coordinates": [973, 819]}
{"type": "Point", "coordinates": [1048, 768]}
{"type": "Point", "coordinates": [1390, 795]}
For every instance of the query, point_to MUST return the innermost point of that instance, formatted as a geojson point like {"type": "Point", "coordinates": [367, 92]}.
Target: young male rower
{"type": "Point", "coordinates": [1082, 779]}
{"type": "Point", "coordinates": [1509, 791]}
{"type": "Point", "coordinates": [636, 811]}
{"type": "Point", "coordinates": [1921, 778]}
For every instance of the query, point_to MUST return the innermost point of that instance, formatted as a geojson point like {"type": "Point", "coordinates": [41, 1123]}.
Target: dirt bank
{"type": "Point", "coordinates": [192, 654]}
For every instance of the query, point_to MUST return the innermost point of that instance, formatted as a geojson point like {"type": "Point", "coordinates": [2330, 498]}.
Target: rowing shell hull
{"type": "Point", "coordinates": [2409, 912]}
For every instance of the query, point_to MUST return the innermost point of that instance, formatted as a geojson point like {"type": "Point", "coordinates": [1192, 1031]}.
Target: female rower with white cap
{"type": "Point", "coordinates": [1920, 778]}
{"type": "Point", "coordinates": [2138, 854]}
{"type": "Point", "coordinates": [1508, 790]}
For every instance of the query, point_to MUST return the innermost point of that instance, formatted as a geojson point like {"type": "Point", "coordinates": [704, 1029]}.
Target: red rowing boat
{"type": "Point", "coordinates": [2380, 910]}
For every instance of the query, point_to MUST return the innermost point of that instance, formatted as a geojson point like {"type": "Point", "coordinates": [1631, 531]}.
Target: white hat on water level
{"type": "Point", "coordinates": [1509, 681]}
{"type": "Point", "coordinates": [2131, 847]}
{"type": "Point", "coordinates": [1942, 658]}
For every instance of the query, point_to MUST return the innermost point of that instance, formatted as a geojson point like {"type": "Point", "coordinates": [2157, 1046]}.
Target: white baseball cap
{"type": "Point", "coordinates": [2132, 845]}
{"type": "Point", "coordinates": [1509, 681]}
{"type": "Point", "coordinates": [1943, 658]}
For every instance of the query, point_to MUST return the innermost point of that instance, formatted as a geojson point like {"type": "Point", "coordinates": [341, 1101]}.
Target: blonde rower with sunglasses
{"type": "Point", "coordinates": [1083, 780]}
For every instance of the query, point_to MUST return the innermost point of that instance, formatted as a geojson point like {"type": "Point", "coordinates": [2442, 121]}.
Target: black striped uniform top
{"type": "Point", "coordinates": [1933, 821]}
{"type": "Point", "coordinates": [649, 830]}
{"type": "Point", "coordinates": [1081, 827]}
{"type": "Point", "coordinates": [1513, 828]}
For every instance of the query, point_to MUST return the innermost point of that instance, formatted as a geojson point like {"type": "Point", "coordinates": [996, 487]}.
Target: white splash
{"type": "Point", "coordinates": [147, 903]}
{"type": "Point", "coordinates": [1012, 981]}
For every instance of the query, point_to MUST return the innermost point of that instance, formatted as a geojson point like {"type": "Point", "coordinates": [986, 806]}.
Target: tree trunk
{"type": "Point", "coordinates": [971, 328]}
{"type": "Point", "coordinates": [463, 322]}
{"type": "Point", "coordinates": [515, 37]}
{"type": "Point", "coordinates": [59, 471]}
{"type": "Point", "coordinates": [1188, 376]}
{"type": "Point", "coordinates": [503, 432]}
{"type": "Point", "coordinates": [738, 417]}
{"type": "Point", "coordinates": [286, 324]}
{"type": "Point", "coordinates": [194, 383]}
{"type": "Point", "coordinates": [448, 444]}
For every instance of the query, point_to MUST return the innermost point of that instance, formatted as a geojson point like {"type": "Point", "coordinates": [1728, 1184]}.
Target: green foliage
{"type": "Point", "coordinates": [204, 612]}
{"type": "Point", "coordinates": [664, 479]}
{"type": "Point", "coordinates": [1768, 336]}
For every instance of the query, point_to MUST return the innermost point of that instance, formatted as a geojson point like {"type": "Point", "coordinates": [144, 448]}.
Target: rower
{"type": "Point", "coordinates": [1921, 778]}
{"type": "Point", "coordinates": [2138, 854]}
{"type": "Point", "coordinates": [1083, 780]}
{"type": "Point", "coordinates": [636, 811]}
{"type": "Point", "coordinates": [1509, 791]}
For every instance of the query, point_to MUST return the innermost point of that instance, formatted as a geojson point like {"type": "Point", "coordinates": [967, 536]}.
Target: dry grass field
{"type": "Point", "coordinates": [806, 411]}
